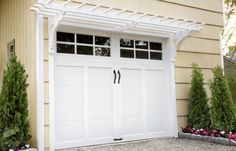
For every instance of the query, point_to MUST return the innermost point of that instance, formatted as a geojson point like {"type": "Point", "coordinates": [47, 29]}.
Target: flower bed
{"type": "Point", "coordinates": [213, 136]}
{"type": "Point", "coordinates": [24, 148]}
{"type": "Point", "coordinates": [29, 149]}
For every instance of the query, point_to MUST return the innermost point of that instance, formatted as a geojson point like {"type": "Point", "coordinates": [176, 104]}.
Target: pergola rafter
{"type": "Point", "coordinates": [70, 12]}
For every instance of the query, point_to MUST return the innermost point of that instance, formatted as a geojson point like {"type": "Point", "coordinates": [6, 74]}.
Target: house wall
{"type": "Point", "coordinates": [46, 87]}
{"type": "Point", "coordinates": [201, 47]}
{"type": "Point", "coordinates": [18, 22]}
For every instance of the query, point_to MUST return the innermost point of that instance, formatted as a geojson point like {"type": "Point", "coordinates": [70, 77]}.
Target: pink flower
{"type": "Point", "coordinates": [233, 136]}
{"type": "Point", "coordinates": [230, 135]}
{"type": "Point", "coordinates": [205, 132]}
{"type": "Point", "coordinates": [215, 131]}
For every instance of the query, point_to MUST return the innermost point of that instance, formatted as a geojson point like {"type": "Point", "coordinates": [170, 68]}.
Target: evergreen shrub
{"type": "Point", "coordinates": [199, 110]}
{"type": "Point", "coordinates": [222, 114]}
{"type": "Point", "coordinates": [14, 122]}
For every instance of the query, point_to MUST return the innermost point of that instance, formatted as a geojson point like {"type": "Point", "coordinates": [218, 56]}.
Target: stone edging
{"type": "Point", "coordinates": [217, 140]}
{"type": "Point", "coordinates": [30, 149]}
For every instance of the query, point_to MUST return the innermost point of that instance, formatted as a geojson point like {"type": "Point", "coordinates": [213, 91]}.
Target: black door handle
{"type": "Point", "coordinates": [119, 76]}
{"type": "Point", "coordinates": [114, 71]}
{"type": "Point", "coordinates": [117, 139]}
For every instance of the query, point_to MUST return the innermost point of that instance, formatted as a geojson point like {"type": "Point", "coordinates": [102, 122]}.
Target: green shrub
{"type": "Point", "coordinates": [222, 113]}
{"type": "Point", "coordinates": [14, 122]}
{"type": "Point", "coordinates": [199, 111]}
{"type": "Point", "coordinates": [231, 79]}
{"type": "Point", "coordinates": [234, 108]}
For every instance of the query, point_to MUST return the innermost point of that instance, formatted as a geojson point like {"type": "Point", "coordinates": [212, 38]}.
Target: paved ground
{"type": "Point", "coordinates": [166, 144]}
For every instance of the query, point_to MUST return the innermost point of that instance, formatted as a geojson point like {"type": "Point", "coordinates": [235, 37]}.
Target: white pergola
{"type": "Point", "coordinates": [74, 13]}
{"type": "Point", "coordinates": [99, 17]}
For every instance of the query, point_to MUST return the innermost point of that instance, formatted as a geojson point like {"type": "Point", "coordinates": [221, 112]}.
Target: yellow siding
{"type": "Point", "coordinates": [208, 32]}
{"type": "Point", "coordinates": [46, 117]}
{"type": "Point", "coordinates": [182, 90]}
{"type": "Point", "coordinates": [182, 107]}
{"type": "Point", "coordinates": [46, 137]}
{"type": "Point", "coordinates": [45, 42]}
{"type": "Point", "coordinates": [18, 22]}
{"type": "Point", "coordinates": [185, 59]}
{"type": "Point", "coordinates": [193, 44]}
{"type": "Point", "coordinates": [46, 88]}
{"type": "Point", "coordinates": [182, 122]}
{"type": "Point", "coordinates": [46, 78]}
{"type": "Point", "coordinates": [201, 4]}
{"type": "Point", "coordinates": [46, 92]}
{"type": "Point", "coordinates": [183, 75]}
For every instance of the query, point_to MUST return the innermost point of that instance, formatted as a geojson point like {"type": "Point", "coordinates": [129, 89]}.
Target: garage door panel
{"type": "Point", "coordinates": [69, 105]}
{"type": "Point", "coordinates": [99, 76]}
{"type": "Point", "coordinates": [131, 101]}
{"type": "Point", "coordinates": [131, 92]}
{"type": "Point", "coordinates": [100, 104]}
{"type": "Point", "coordinates": [132, 125]}
{"type": "Point", "coordinates": [157, 123]}
{"type": "Point", "coordinates": [100, 128]}
{"type": "Point", "coordinates": [69, 76]}
{"type": "Point", "coordinates": [156, 100]}
{"type": "Point", "coordinates": [131, 77]}
{"type": "Point", "coordinates": [156, 77]}
{"type": "Point", "coordinates": [70, 131]}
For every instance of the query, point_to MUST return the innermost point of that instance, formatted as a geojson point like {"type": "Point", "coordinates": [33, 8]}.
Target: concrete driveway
{"type": "Point", "coordinates": [165, 144]}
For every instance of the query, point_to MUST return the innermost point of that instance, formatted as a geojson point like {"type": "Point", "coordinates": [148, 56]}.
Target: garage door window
{"type": "Point", "coordinates": [102, 46]}
{"type": "Point", "coordinates": [139, 49]}
{"type": "Point", "coordinates": [82, 44]}
{"type": "Point", "coordinates": [94, 45]}
{"type": "Point", "coordinates": [65, 43]}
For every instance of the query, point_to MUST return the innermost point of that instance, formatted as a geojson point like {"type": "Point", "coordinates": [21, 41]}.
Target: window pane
{"type": "Point", "coordinates": [156, 55]}
{"type": "Point", "coordinates": [85, 50]}
{"type": "Point", "coordinates": [102, 51]}
{"type": "Point", "coordinates": [155, 46]}
{"type": "Point", "coordinates": [142, 54]}
{"type": "Point", "coordinates": [105, 41]}
{"type": "Point", "coordinates": [66, 37]}
{"type": "Point", "coordinates": [126, 43]}
{"type": "Point", "coordinates": [141, 44]}
{"type": "Point", "coordinates": [64, 48]}
{"type": "Point", "coordinates": [86, 39]}
{"type": "Point", "coordinates": [127, 53]}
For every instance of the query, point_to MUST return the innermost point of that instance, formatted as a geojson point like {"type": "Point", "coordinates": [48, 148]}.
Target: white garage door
{"type": "Point", "coordinates": [109, 88]}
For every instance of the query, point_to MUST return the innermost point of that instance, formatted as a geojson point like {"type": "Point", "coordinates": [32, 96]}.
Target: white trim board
{"type": "Point", "coordinates": [40, 82]}
{"type": "Point", "coordinates": [51, 38]}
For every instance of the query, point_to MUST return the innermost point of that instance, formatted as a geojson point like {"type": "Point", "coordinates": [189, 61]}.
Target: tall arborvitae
{"type": "Point", "coordinates": [14, 122]}
{"type": "Point", "coordinates": [199, 111]}
{"type": "Point", "coordinates": [222, 113]}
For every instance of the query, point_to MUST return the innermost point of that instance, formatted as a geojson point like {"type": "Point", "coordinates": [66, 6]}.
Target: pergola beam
{"type": "Point", "coordinates": [121, 20]}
